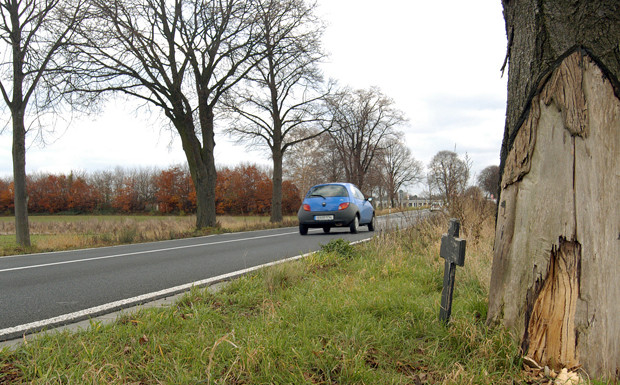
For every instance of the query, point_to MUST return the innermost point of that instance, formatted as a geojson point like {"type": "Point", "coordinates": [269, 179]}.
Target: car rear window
{"type": "Point", "coordinates": [330, 190]}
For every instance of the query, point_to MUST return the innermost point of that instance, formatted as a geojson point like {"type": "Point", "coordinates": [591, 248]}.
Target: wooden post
{"type": "Point", "coordinates": [453, 251]}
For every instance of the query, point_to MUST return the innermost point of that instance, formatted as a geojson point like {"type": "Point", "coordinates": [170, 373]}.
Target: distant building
{"type": "Point", "coordinates": [405, 201]}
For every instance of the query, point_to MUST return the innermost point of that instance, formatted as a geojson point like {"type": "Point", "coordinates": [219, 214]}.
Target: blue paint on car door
{"type": "Point", "coordinates": [365, 207]}
{"type": "Point", "coordinates": [366, 212]}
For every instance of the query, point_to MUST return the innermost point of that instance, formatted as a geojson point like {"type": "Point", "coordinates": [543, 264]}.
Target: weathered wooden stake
{"type": "Point", "coordinates": [453, 251]}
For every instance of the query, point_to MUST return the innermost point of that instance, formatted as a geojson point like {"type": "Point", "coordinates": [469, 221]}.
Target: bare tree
{"type": "Point", "coordinates": [362, 121]}
{"type": "Point", "coordinates": [102, 181]}
{"type": "Point", "coordinates": [399, 167]}
{"type": "Point", "coordinates": [281, 105]}
{"type": "Point", "coordinates": [448, 175]}
{"type": "Point", "coordinates": [180, 56]}
{"type": "Point", "coordinates": [312, 162]}
{"type": "Point", "coordinates": [32, 34]}
{"type": "Point", "coordinates": [375, 182]}
{"type": "Point", "coordinates": [488, 180]}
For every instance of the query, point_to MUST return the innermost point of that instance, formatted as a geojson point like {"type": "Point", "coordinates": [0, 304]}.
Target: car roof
{"type": "Point", "coordinates": [333, 183]}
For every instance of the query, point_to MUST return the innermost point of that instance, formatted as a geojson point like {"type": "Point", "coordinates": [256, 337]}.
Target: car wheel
{"type": "Point", "coordinates": [327, 229]}
{"type": "Point", "coordinates": [354, 225]}
{"type": "Point", "coordinates": [303, 229]}
{"type": "Point", "coordinates": [371, 224]}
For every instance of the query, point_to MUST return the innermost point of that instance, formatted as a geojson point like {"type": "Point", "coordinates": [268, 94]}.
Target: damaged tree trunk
{"type": "Point", "coordinates": [550, 334]}
{"type": "Point", "coordinates": [556, 269]}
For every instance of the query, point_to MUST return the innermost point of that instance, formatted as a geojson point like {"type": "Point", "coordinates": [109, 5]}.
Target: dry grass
{"type": "Point", "coordinates": [477, 215]}
{"type": "Point", "coordinates": [93, 224]}
{"type": "Point", "coordinates": [54, 233]}
{"type": "Point", "coordinates": [387, 211]}
{"type": "Point", "coordinates": [478, 229]}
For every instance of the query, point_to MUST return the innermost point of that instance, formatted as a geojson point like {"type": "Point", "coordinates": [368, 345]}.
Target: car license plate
{"type": "Point", "coordinates": [323, 217]}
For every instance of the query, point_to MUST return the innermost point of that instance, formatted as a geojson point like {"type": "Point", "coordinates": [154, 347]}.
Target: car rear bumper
{"type": "Point", "coordinates": [338, 218]}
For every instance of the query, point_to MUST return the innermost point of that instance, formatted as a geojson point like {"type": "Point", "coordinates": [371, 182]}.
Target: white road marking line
{"type": "Point", "coordinates": [108, 307]}
{"type": "Point", "coordinates": [141, 252]}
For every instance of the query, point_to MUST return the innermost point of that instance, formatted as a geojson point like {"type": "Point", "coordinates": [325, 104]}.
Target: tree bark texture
{"type": "Point", "coordinates": [18, 113]}
{"type": "Point", "coordinates": [555, 278]}
{"type": "Point", "coordinates": [276, 197]}
{"type": "Point", "coordinates": [22, 229]}
{"type": "Point", "coordinates": [201, 162]}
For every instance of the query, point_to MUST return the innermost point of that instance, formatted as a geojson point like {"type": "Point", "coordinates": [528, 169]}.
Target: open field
{"type": "Point", "coordinates": [64, 232]}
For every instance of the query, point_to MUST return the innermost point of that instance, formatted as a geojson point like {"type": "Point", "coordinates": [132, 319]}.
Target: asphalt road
{"type": "Point", "coordinates": [43, 290]}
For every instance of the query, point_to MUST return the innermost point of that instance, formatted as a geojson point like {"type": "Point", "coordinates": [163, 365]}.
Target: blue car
{"type": "Point", "coordinates": [335, 205]}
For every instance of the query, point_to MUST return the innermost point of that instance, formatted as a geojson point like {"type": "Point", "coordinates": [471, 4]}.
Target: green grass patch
{"type": "Point", "coordinates": [366, 314]}
{"type": "Point", "coordinates": [9, 246]}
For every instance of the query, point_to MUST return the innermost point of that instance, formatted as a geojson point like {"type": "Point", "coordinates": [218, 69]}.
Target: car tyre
{"type": "Point", "coordinates": [303, 229]}
{"type": "Point", "coordinates": [327, 229]}
{"type": "Point", "coordinates": [354, 226]}
{"type": "Point", "coordinates": [371, 224]}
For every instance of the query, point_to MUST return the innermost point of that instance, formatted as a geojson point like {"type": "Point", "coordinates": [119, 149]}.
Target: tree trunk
{"type": "Point", "coordinates": [201, 162]}
{"type": "Point", "coordinates": [276, 197]}
{"type": "Point", "coordinates": [22, 229]}
{"type": "Point", "coordinates": [205, 181]}
{"type": "Point", "coordinates": [207, 175]}
{"type": "Point", "coordinates": [555, 270]}
{"type": "Point", "coordinates": [18, 112]}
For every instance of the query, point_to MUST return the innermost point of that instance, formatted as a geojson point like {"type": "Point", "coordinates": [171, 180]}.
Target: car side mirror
{"type": "Point", "coordinates": [369, 199]}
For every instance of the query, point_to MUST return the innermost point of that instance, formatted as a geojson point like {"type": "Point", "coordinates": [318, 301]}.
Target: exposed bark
{"type": "Point", "coordinates": [554, 279]}
{"type": "Point", "coordinates": [550, 334]}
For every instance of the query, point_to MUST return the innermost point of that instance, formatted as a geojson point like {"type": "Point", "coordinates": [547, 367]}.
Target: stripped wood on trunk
{"type": "Point", "coordinates": [551, 332]}
{"type": "Point", "coordinates": [555, 270]}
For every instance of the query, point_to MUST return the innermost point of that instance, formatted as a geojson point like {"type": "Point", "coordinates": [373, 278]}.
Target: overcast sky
{"type": "Point", "coordinates": [439, 60]}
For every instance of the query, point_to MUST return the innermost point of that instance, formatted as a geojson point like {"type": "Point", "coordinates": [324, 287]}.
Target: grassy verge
{"type": "Point", "coordinates": [398, 210]}
{"type": "Point", "coordinates": [349, 315]}
{"type": "Point", "coordinates": [64, 232]}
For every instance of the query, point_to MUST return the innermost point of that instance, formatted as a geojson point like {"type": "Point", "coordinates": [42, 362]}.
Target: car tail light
{"type": "Point", "coordinates": [343, 206]}
{"type": "Point", "coordinates": [306, 207]}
